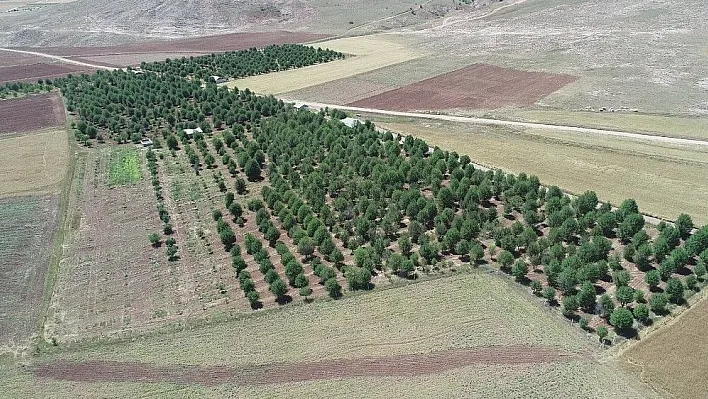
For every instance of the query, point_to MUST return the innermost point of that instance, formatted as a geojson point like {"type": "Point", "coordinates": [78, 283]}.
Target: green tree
{"type": "Point", "coordinates": [652, 278]}
{"type": "Point", "coordinates": [333, 288]}
{"type": "Point", "coordinates": [520, 270]}
{"type": "Point", "coordinates": [240, 185]}
{"type": "Point", "coordinates": [570, 305]}
{"type": "Point", "coordinates": [301, 281]}
{"type": "Point", "coordinates": [536, 287]}
{"type": "Point", "coordinates": [305, 292]}
{"type": "Point", "coordinates": [621, 277]}
{"type": "Point", "coordinates": [621, 319]}
{"type": "Point", "coordinates": [607, 305]}
{"type": "Point", "coordinates": [550, 294]}
{"type": "Point", "coordinates": [293, 268]}
{"type": "Point", "coordinates": [631, 224]}
{"type": "Point", "coordinates": [700, 270]}
{"type": "Point", "coordinates": [505, 259]}
{"type": "Point", "coordinates": [252, 170]}
{"type": "Point", "coordinates": [405, 244]}
{"type": "Point", "coordinates": [278, 288]}
{"type": "Point", "coordinates": [602, 333]}
{"type": "Point", "coordinates": [358, 278]}
{"type": "Point", "coordinates": [684, 224]}
{"type": "Point", "coordinates": [624, 294]}
{"type": "Point", "coordinates": [658, 303]}
{"type": "Point", "coordinates": [476, 253]}
{"type": "Point", "coordinates": [674, 289]}
{"type": "Point", "coordinates": [209, 160]}
{"type": "Point", "coordinates": [306, 247]}
{"type": "Point", "coordinates": [154, 239]}
{"type": "Point", "coordinates": [253, 297]}
{"type": "Point", "coordinates": [641, 313]}
{"type": "Point", "coordinates": [586, 296]}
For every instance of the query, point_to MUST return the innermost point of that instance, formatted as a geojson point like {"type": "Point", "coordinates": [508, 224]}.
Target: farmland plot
{"type": "Point", "coordinates": [26, 237]}
{"type": "Point", "coordinates": [31, 113]}
{"type": "Point", "coordinates": [491, 340]}
{"type": "Point", "coordinates": [36, 71]}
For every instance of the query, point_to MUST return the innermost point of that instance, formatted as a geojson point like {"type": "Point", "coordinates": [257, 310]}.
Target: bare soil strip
{"type": "Point", "coordinates": [475, 86]}
{"type": "Point", "coordinates": [277, 373]}
{"type": "Point", "coordinates": [31, 113]}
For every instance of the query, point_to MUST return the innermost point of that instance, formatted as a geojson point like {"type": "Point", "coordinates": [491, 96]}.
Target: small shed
{"type": "Point", "coordinates": [219, 79]}
{"type": "Point", "coordinates": [351, 122]}
{"type": "Point", "coordinates": [146, 142]}
{"type": "Point", "coordinates": [190, 132]}
{"type": "Point", "coordinates": [301, 106]}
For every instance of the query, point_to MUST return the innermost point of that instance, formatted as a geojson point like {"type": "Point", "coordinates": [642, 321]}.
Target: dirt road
{"type": "Point", "coordinates": [499, 122]}
{"type": "Point", "coordinates": [58, 58]}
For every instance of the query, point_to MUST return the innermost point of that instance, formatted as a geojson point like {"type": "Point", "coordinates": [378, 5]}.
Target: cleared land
{"type": "Point", "coordinates": [35, 71]}
{"type": "Point", "coordinates": [395, 348]}
{"type": "Point", "coordinates": [366, 54]}
{"type": "Point", "coordinates": [655, 175]}
{"type": "Point", "coordinates": [475, 86]}
{"type": "Point", "coordinates": [31, 113]}
{"type": "Point", "coordinates": [672, 359]}
{"type": "Point", "coordinates": [33, 163]}
{"type": "Point", "coordinates": [26, 233]}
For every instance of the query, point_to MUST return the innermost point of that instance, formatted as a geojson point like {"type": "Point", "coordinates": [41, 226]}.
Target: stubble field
{"type": "Point", "coordinates": [395, 348]}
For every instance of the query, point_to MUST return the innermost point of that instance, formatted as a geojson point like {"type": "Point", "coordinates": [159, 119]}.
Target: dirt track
{"type": "Point", "coordinates": [58, 58]}
{"type": "Point", "coordinates": [499, 122]}
{"type": "Point", "coordinates": [395, 366]}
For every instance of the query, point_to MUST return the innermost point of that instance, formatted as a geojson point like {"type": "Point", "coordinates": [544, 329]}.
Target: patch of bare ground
{"type": "Point", "coordinates": [41, 70]}
{"type": "Point", "coordinates": [31, 113]}
{"type": "Point", "coordinates": [197, 45]}
{"type": "Point", "coordinates": [476, 86]}
{"type": "Point", "coordinates": [278, 373]}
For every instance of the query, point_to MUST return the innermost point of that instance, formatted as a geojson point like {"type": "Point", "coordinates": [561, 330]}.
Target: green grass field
{"type": "Point", "coordinates": [124, 166]}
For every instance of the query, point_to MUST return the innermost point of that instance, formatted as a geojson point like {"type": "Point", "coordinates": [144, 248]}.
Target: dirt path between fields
{"type": "Point", "coordinates": [500, 122]}
{"type": "Point", "coordinates": [278, 373]}
{"type": "Point", "coordinates": [58, 58]}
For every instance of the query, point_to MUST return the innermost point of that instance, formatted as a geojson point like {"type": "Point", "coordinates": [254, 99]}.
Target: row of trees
{"type": "Point", "coordinates": [238, 64]}
{"type": "Point", "coordinates": [171, 243]}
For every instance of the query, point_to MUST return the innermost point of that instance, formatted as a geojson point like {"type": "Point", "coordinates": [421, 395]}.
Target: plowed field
{"type": "Point", "coordinates": [31, 113]}
{"type": "Point", "coordinates": [33, 72]}
{"type": "Point", "coordinates": [477, 86]}
{"type": "Point", "coordinates": [279, 373]}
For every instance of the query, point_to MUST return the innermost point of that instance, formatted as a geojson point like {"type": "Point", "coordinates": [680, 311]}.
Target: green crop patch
{"type": "Point", "coordinates": [124, 167]}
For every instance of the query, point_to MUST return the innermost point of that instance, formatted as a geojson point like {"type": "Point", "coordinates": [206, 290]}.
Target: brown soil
{"type": "Point", "coordinates": [33, 72]}
{"type": "Point", "coordinates": [277, 373]}
{"type": "Point", "coordinates": [476, 86]}
{"type": "Point", "coordinates": [31, 113]}
{"type": "Point", "coordinates": [200, 45]}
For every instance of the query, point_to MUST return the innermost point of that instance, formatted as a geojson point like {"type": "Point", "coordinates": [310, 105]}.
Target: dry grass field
{"type": "Point", "coordinates": [33, 163]}
{"type": "Point", "coordinates": [365, 54]}
{"type": "Point", "coordinates": [657, 176]}
{"type": "Point", "coordinates": [478, 314]}
{"type": "Point", "coordinates": [672, 358]}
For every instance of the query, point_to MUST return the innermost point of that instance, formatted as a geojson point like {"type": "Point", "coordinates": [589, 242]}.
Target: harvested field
{"type": "Point", "coordinates": [475, 86]}
{"type": "Point", "coordinates": [482, 338]}
{"type": "Point", "coordinates": [26, 242]}
{"type": "Point", "coordinates": [33, 163]}
{"type": "Point", "coordinates": [280, 373]}
{"type": "Point", "coordinates": [31, 113]}
{"type": "Point", "coordinates": [672, 358]}
{"type": "Point", "coordinates": [657, 176]}
{"type": "Point", "coordinates": [12, 59]}
{"type": "Point", "coordinates": [365, 54]}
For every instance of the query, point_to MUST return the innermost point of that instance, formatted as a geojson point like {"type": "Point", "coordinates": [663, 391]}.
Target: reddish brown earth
{"type": "Point", "coordinates": [41, 70]}
{"type": "Point", "coordinates": [277, 373]}
{"type": "Point", "coordinates": [476, 86]}
{"type": "Point", "coordinates": [10, 59]}
{"type": "Point", "coordinates": [31, 113]}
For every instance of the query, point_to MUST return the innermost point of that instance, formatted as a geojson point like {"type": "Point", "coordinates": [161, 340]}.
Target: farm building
{"type": "Point", "coordinates": [301, 106]}
{"type": "Point", "coordinates": [219, 79]}
{"type": "Point", "coordinates": [190, 132]}
{"type": "Point", "coordinates": [146, 142]}
{"type": "Point", "coordinates": [351, 122]}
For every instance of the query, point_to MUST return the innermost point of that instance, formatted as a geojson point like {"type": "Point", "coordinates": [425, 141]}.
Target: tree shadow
{"type": "Point", "coordinates": [655, 290]}
{"type": "Point", "coordinates": [599, 290]}
{"type": "Point", "coordinates": [257, 305]}
{"type": "Point", "coordinates": [629, 333]}
{"type": "Point", "coordinates": [684, 271]}
{"type": "Point", "coordinates": [285, 299]}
